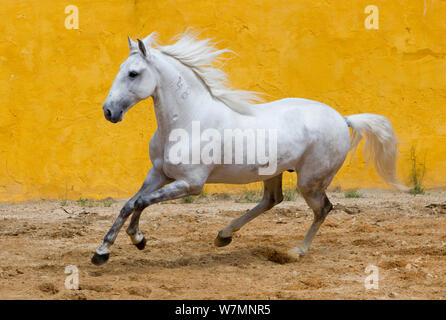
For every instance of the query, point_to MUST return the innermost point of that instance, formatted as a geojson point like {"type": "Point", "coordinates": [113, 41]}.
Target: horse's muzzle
{"type": "Point", "coordinates": [112, 116]}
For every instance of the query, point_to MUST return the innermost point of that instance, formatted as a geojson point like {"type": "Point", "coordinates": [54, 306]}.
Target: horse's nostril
{"type": "Point", "coordinates": [122, 111]}
{"type": "Point", "coordinates": [108, 113]}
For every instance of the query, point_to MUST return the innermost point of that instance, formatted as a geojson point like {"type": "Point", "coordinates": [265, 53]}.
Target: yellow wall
{"type": "Point", "coordinates": [55, 142]}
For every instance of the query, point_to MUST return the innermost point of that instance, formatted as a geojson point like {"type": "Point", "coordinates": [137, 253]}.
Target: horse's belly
{"type": "Point", "coordinates": [232, 174]}
{"type": "Point", "coordinates": [242, 174]}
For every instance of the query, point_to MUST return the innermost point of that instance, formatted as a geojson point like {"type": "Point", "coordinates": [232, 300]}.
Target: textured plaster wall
{"type": "Point", "coordinates": [55, 142]}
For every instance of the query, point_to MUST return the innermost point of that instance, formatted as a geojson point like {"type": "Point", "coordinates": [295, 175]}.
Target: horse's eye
{"type": "Point", "coordinates": [133, 74]}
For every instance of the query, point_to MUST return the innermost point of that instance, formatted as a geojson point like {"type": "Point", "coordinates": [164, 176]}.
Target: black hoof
{"type": "Point", "coordinates": [99, 259]}
{"type": "Point", "coordinates": [221, 242]}
{"type": "Point", "coordinates": [142, 244]}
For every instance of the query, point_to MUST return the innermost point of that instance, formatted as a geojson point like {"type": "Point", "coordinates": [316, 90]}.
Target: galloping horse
{"type": "Point", "coordinates": [309, 138]}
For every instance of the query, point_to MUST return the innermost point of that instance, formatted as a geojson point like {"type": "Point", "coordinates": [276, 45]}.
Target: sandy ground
{"type": "Point", "coordinates": [395, 232]}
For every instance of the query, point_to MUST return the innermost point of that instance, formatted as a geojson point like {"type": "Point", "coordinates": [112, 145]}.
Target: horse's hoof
{"type": "Point", "coordinates": [296, 253]}
{"type": "Point", "coordinates": [221, 242]}
{"type": "Point", "coordinates": [99, 259]}
{"type": "Point", "coordinates": [142, 244]}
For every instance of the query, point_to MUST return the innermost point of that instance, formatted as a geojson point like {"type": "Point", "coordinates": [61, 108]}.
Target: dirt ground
{"type": "Point", "coordinates": [403, 235]}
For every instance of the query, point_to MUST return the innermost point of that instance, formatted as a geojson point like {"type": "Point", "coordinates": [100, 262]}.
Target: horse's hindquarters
{"type": "Point", "coordinates": [325, 155]}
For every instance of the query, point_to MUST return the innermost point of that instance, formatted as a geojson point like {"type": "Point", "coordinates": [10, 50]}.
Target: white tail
{"type": "Point", "coordinates": [381, 144]}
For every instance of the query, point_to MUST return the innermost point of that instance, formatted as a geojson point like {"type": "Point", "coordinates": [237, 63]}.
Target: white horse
{"type": "Point", "coordinates": [312, 138]}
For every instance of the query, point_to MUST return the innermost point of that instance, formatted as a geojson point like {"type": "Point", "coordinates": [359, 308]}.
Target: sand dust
{"type": "Point", "coordinates": [403, 235]}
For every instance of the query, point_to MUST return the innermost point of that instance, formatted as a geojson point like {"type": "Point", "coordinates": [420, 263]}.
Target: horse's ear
{"type": "Point", "coordinates": [143, 49]}
{"type": "Point", "coordinates": [132, 44]}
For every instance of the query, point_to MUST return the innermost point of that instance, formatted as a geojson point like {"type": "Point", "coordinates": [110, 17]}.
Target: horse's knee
{"type": "Point", "coordinates": [140, 204]}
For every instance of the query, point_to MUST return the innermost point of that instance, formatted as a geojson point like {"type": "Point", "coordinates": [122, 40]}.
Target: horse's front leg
{"type": "Point", "coordinates": [174, 190]}
{"type": "Point", "coordinates": [153, 181]}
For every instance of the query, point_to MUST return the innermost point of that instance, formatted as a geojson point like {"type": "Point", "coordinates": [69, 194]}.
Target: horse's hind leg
{"type": "Point", "coordinates": [272, 195]}
{"type": "Point", "coordinates": [317, 200]}
{"type": "Point", "coordinates": [315, 173]}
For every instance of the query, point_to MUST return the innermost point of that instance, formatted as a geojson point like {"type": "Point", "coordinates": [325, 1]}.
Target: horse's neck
{"type": "Point", "coordinates": [175, 98]}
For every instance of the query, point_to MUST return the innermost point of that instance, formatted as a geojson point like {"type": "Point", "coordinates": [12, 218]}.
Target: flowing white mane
{"type": "Point", "coordinates": [200, 56]}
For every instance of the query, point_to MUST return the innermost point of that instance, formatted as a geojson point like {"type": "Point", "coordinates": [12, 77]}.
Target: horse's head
{"type": "Point", "coordinates": [136, 81]}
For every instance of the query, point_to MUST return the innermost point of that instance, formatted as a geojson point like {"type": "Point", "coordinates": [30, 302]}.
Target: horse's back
{"type": "Point", "coordinates": [311, 118]}
{"type": "Point", "coordinates": [299, 107]}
